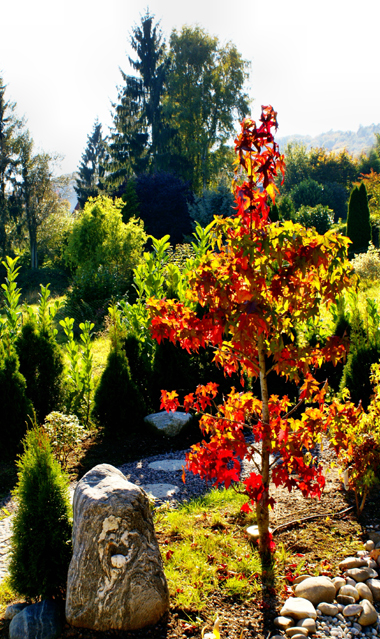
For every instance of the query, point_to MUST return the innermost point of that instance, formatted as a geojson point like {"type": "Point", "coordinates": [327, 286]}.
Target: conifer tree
{"type": "Point", "coordinates": [41, 542]}
{"type": "Point", "coordinates": [358, 219]}
{"type": "Point", "coordinates": [135, 135]}
{"type": "Point", "coordinates": [92, 169]}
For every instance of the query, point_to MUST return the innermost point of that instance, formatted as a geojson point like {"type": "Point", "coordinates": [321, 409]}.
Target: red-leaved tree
{"type": "Point", "coordinates": [250, 296]}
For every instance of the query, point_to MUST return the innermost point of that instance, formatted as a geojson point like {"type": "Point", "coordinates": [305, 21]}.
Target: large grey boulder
{"type": "Point", "coordinates": [316, 590]}
{"type": "Point", "coordinates": [169, 424]}
{"type": "Point", "coordinates": [116, 579]}
{"type": "Point", "coordinates": [42, 620]}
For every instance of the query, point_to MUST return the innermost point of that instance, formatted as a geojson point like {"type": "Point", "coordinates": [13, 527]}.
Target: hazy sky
{"type": "Point", "coordinates": [317, 63]}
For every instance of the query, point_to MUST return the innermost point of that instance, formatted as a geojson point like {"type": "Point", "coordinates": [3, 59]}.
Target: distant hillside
{"type": "Point", "coordinates": [355, 143]}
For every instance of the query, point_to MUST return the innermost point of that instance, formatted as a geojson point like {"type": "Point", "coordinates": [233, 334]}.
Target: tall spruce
{"type": "Point", "coordinates": [92, 169]}
{"type": "Point", "coordinates": [134, 142]}
{"type": "Point", "coordinates": [358, 219]}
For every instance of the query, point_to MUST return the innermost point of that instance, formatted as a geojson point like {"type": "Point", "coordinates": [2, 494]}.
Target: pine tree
{"type": "Point", "coordinates": [92, 169]}
{"type": "Point", "coordinates": [134, 143]}
{"type": "Point", "coordinates": [358, 219]}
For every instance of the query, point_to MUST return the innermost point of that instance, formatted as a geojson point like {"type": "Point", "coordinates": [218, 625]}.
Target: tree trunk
{"type": "Point", "coordinates": [262, 508]}
{"type": "Point", "coordinates": [33, 245]}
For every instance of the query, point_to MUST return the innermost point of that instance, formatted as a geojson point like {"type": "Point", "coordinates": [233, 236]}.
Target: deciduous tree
{"type": "Point", "coordinates": [205, 94]}
{"type": "Point", "coordinates": [247, 299]}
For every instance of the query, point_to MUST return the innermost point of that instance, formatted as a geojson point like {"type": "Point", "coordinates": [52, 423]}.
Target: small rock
{"type": "Point", "coordinates": [13, 610]}
{"type": "Point", "coordinates": [298, 636]}
{"type": "Point", "coordinates": [301, 578]}
{"type": "Point", "coordinates": [349, 591]}
{"type": "Point", "coordinates": [309, 624]}
{"type": "Point", "coordinates": [338, 582]}
{"type": "Point", "coordinates": [364, 592]}
{"type": "Point", "coordinates": [277, 637]}
{"type": "Point", "coordinates": [295, 630]}
{"type": "Point", "coordinates": [42, 620]}
{"type": "Point", "coordinates": [340, 616]}
{"type": "Point", "coordinates": [372, 564]}
{"type": "Point", "coordinates": [361, 553]}
{"type": "Point", "coordinates": [298, 608]}
{"type": "Point", "coordinates": [357, 626]}
{"type": "Point", "coordinates": [362, 574]}
{"type": "Point", "coordinates": [369, 545]}
{"type": "Point", "coordinates": [253, 532]}
{"type": "Point", "coordinates": [283, 622]}
{"type": "Point", "coordinates": [374, 586]}
{"type": "Point", "coordinates": [352, 562]}
{"type": "Point", "coordinates": [350, 582]}
{"type": "Point", "coordinates": [352, 610]}
{"type": "Point", "coordinates": [316, 590]}
{"type": "Point", "coordinates": [346, 600]}
{"type": "Point", "coordinates": [369, 614]}
{"type": "Point", "coordinates": [328, 609]}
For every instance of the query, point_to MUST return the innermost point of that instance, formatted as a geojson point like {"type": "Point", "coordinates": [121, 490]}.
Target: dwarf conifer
{"type": "Point", "coordinates": [41, 541]}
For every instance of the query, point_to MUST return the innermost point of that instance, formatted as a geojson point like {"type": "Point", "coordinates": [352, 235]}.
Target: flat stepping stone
{"type": "Point", "coordinates": [168, 464]}
{"type": "Point", "coordinates": [160, 491]}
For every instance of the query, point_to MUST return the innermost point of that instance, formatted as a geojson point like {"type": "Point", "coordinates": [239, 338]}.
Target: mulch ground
{"type": "Point", "coordinates": [318, 543]}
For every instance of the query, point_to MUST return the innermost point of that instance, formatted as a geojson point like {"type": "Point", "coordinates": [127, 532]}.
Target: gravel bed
{"type": "Point", "coordinates": [138, 472]}
{"type": "Point", "coordinates": [340, 627]}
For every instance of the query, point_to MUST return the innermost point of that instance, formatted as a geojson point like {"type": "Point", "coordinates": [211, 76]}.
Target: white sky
{"type": "Point", "coordinates": [317, 63]}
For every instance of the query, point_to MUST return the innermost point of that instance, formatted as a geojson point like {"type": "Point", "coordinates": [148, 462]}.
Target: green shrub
{"type": "Point", "coordinates": [16, 408]}
{"type": "Point", "coordinates": [41, 541]}
{"type": "Point", "coordinates": [41, 363]}
{"type": "Point", "coordinates": [357, 371]}
{"type": "Point", "coordinates": [65, 433]}
{"type": "Point", "coordinates": [367, 265]}
{"type": "Point", "coordinates": [118, 404]}
{"type": "Point", "coordinates": [319, 217]}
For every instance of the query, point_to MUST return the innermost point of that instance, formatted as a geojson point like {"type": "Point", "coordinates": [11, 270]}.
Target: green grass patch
{"type": "Point", "coordinates": [7, 595]}
{"type": "Point", "coordinates": [205, 549]}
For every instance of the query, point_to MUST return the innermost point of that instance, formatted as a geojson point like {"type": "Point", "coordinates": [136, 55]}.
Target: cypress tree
{"type": "Point", "coordinates": [16, 408]}
{"type": "Point", "coordinates": [41, 363]}
{"type": "Point", "coordinates": [118, 404]}
{"type": "Point", "coordinates": [41, 541]}
{"type": "Point", "coordinates": [358, 219]}
{"type": "Point", "coordinates": [92, 168]}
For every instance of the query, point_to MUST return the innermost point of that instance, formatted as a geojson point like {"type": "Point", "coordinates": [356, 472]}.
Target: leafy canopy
{"type": "Point", "coordinates": [100, 237]}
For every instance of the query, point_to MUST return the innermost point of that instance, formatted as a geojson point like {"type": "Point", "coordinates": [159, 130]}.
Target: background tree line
{"type": "Point", "coordinates": [167, 155]}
